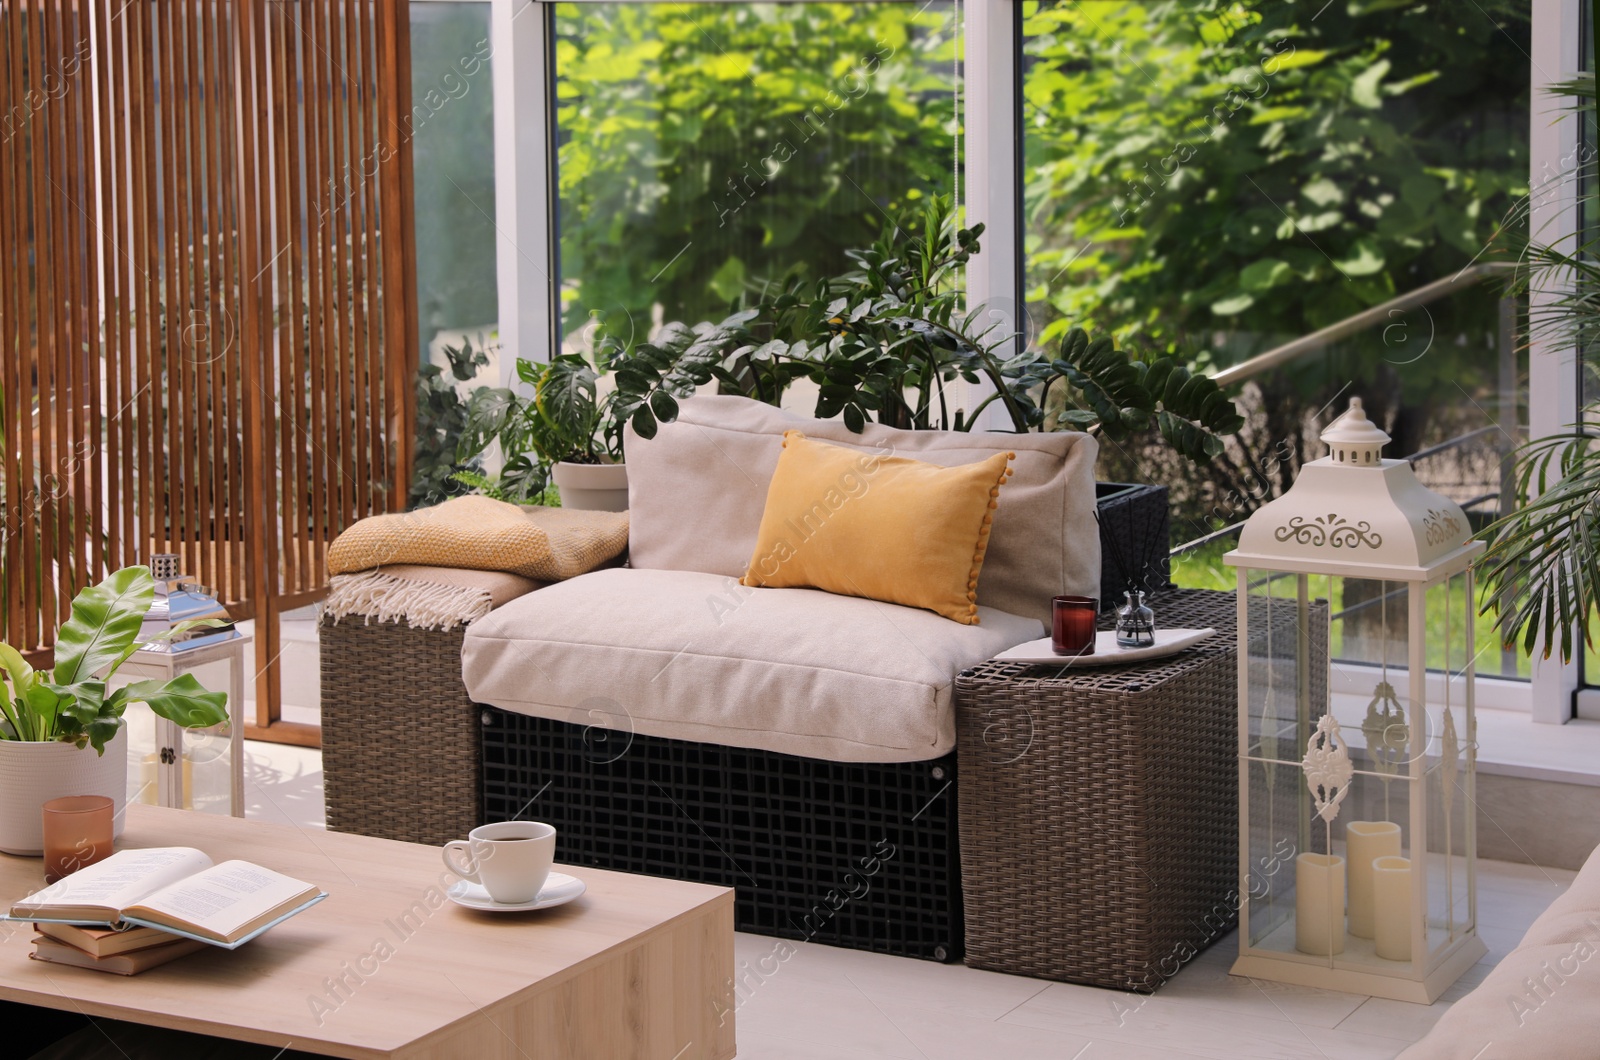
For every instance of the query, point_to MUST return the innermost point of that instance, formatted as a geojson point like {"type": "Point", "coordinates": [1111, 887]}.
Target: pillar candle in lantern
{"type": "Point", "coordinates": [1391, 898]}
{"type": "Point", "coordinates": [1319, 904]}
{"type": "Point", "coordinates": [1366, 841]}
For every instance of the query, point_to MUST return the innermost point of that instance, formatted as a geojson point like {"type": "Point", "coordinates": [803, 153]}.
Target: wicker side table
{"type": "Point", "coordinates": [1099, 808]}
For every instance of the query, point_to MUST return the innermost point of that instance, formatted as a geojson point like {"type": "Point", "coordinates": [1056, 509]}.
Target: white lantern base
{"type": "Point", "coordinates": [1316, 973]}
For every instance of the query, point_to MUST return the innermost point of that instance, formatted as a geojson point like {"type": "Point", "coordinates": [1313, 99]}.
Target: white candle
{"type": "Point", "coordinates": [1319, 904]}
{"type": "Point", "coordinates": [1391, 896]}
{"type": "Point", "coordinates": [1365, 841]}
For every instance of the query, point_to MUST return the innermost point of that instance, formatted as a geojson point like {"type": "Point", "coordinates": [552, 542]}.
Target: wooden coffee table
{"type": "Point", "coordinates": [638, 967]}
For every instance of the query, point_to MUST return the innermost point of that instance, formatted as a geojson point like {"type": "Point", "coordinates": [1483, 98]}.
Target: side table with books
{"type": "Point", "coordinates": [167, 758]}
{"type": "Point", "coordinates": [1099, 834]}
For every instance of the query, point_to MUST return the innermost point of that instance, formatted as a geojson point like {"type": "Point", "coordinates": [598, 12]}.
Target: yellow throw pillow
{"type": "Point", "coordinates": [879, 526]}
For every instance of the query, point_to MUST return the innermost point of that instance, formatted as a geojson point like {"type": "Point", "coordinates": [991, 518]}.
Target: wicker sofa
{"type": "Point", "coordinates": [790, 743]}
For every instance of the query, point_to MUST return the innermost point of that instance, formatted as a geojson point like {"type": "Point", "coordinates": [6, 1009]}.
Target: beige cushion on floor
{"type": "Point", "coordinates": [694, 656]}
{"type": "Point", "coordinates": [1543, 999]}
{"type": "Point", "coordinates": [697, 490]}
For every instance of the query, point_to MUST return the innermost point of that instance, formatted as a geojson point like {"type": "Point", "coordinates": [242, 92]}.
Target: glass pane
{"type": "Point", "coordinates": [706, 149]}
{"type": "Point", "coordinates": [1451, 752]}
{"type": "Point", "coordinates": [452, 144]}
{"type": "Point", "coordinates": [1221, 178]}
{"type": "Point", "coordinates": [1286, 692]}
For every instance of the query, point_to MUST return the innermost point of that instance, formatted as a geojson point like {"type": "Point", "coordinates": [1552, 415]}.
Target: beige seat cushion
{"type": "Point", "coordinates": [697, 490]}
{"type": "Point", "coordinates": [695, 656]}
{"type": "Point", "coordinates": [1543, 999]}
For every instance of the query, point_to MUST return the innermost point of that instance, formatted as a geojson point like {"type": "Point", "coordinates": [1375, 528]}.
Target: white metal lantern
{"type": "Point", "coordinates": [1357, 738]}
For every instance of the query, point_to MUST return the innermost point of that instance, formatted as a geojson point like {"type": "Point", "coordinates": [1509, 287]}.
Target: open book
{"type": "Point", "coordinates": [177, 889]}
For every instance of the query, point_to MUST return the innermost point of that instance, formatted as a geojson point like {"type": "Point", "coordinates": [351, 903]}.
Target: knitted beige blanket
{"type": "Point", "coordinates": [479, 533]}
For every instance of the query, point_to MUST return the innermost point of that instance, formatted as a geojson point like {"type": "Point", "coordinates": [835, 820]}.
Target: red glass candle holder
{"type": "Point", "coordinates": [77, 833]}
{"type": "Point", "coordinates": [1072, 624]}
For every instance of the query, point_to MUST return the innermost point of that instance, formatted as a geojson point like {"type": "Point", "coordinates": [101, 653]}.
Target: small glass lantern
{"type": "Point", "coordinates": [1357, 737]}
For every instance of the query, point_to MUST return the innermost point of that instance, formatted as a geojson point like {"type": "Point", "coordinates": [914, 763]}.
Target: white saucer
{"type": "Point", "coordinates": [559, 889]}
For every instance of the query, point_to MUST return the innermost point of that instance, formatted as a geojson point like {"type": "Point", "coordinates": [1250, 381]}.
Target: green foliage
{"type": "Point", "coordinates": [883, 340]}
{"type": "Point", "coordinates": [441, 423]}
{"type": "Point", "coordinates": [70, 703]}
{"type": "Point", "coordinates": [708, 148]}
{"type": "Point", "coordinates": [1542, 568]}
{"type": "Point", "coordinates": [1191, 412]}
{"type": "Point", "coordinates": [1243, 166]}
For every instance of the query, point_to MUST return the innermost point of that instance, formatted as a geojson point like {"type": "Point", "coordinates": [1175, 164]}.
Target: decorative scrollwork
{"type": "Point", "coordinates": [1440, 526]}
{"type": "Point", "coordinates": [1331, 529]}
{"type": "Point", "coordinates": [1327, 767]}
{"type": "Point", "coordinates": [1388, 736]}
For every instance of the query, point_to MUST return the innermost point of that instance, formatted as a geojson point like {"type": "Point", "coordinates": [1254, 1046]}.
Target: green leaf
{"type": "Point", "coordinates": [1265, 273]}
{"type": "Point", "coordinates": [1323, 192]}
{"type": "Point", "coordinates": [643, 422]}
{"type": "Point", "coordinates": [1233, 305]}
{"type": "Point", "coordinates": [105, 622]}
{"type": "Point", "coordinates": [182, 700]}
{"type": "Point", "coordinates": [1364, 259]}
{"type": "Point", "coordinates": [664, 406]}
{"type": "Point", "coordinates": [1364, 89]}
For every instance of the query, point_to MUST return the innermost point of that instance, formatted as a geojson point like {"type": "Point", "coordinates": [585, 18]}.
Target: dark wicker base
{"type": "Point", "coordinates": [861, 856]}
{"type": "Point", "coordinates": [1099, 816]}
{"type": "Point", "coordinates": [400, 738]}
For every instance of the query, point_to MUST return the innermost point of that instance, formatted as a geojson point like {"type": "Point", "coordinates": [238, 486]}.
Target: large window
{"type": "Point", "coordinates": [707, 149]}
{"type": "Point", "coordinates": [1221, 178]}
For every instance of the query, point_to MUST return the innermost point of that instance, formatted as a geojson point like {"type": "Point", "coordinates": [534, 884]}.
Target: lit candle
{"type": "Point", "coordinates": [1365, 841]}
{"type": "Point", "coordinates": [1391, 897]}
{"type": "Point", "coordinates": [1319, 904]}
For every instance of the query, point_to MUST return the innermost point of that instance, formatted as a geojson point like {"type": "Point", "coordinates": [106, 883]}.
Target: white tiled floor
{"type": "Point", "coordinates": [831, 1004]}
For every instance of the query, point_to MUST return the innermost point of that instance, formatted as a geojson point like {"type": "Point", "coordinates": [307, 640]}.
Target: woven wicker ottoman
{"type": "Point", "coordinates": [401, 741]}
{"type": "Point", "coordinates": [1099, 809]}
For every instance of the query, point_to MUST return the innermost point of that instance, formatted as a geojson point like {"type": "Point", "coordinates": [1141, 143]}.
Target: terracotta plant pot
{"type": "Point", "coordinates": [593, 487]}
{"type": "Point", "coordinates": [31, 774]}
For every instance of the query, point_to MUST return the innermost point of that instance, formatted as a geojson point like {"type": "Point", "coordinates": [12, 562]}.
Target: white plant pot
{"type": "Point", "coordinates": [592, 487]}
{"type": "Point", "coordinates": [31, 774]}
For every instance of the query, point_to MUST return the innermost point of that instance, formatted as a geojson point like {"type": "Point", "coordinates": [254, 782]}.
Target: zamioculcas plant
{"type": "Point", "coordinates": [70, 703]}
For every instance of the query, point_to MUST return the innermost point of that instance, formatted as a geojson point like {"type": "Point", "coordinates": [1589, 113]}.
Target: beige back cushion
{"type": "Point", "coordinates": [696, 492]}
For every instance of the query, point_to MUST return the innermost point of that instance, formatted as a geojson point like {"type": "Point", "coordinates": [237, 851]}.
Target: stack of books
{"type": "Point", "coordinates": [106, 949]}
{"type": "Point", "coordinates": [141, 908]}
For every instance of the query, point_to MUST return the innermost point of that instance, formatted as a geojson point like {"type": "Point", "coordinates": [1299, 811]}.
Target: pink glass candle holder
{"type": "Point", "coordinates": [77, 833]}
{"type": "Point", "coordinates": [1072, 624]}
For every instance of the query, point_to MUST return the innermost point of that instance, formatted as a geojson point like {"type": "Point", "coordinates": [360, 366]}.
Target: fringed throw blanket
{"type": "Point", "coordinates": [453, 563]}
{"type": "Point", "coordinates": [423, 597]}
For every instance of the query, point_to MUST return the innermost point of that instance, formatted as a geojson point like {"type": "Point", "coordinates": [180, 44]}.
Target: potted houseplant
{"type": "Point", "coordinates": [882, 341]}
{"type": "Point", "coordinates": [556, 436]}
{"type": "Point", "coordinates": [567, 434]}
{"type": "Point", "coordinates": [62, 730]}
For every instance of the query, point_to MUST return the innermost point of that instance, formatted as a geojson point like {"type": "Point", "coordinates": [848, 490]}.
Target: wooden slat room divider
{"type": "Point", "coordinates": [206, 311]}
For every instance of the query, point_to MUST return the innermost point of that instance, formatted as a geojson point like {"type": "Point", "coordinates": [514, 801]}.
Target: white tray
{"type": "Point", "coordinates": [1106, 652]}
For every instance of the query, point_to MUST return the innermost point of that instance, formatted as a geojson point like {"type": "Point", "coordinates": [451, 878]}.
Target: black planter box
{"type": "Point", "coordinates": [1137, 515]}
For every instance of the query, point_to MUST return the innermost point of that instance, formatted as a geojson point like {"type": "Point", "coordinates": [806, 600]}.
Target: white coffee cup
{"type": "Point", "coordinates": [510, 859]}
